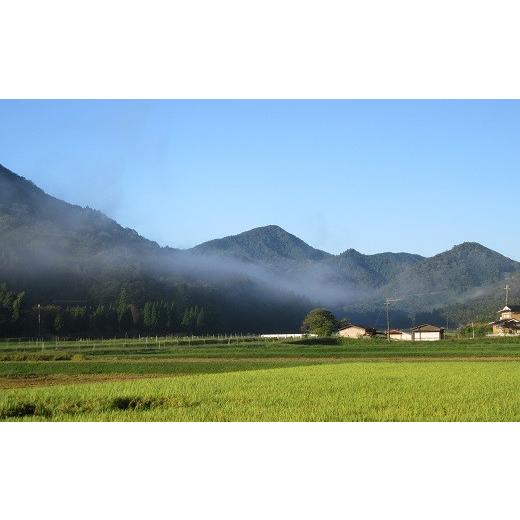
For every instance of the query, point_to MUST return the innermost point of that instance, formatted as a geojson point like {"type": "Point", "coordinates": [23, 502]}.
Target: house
{"type": "Point", "coordinates": [356, 331]}
{"type": "Point", "coordinates": [505, 327]}
{"type": "Point", "coordinates": [510, 312]}
{"type": "Point", "coordinates": [509, 321]}
{"type": "Point", "coordinates": [427, 333]}
{"type": "Point", "coordinates": [399, 335]}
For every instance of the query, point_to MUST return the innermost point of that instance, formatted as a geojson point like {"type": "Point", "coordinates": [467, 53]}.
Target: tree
{"type": "Point", "coordinates": [201, 320]}
{"type": "Point", "coordinates": [126, 321]}
{"type": "Point", "coordinates": [171, 323]}
{"type": "Point", "coordinates": [162, 316]}
{"type": "Point", "coordinates": [189, 319]}
{"type": "Point", "coordinates": [99, 320]}
{"type": "Point", "coordinates": [321, 322]}
{"type": "Point", "coordinates": [343, 322]}
{"type": "Point", "coordinates": [78, 318]}
{"type": "Point", "coordinates": [136, 315]}
{"type": "Point", "coordinates": [59, 323]}
{"type": "Point", "coordinates": [154, 317]}
{"type": "Point", "coordinates": [17, 305]}
{"type": "Point", "coordinates": [122, 304]}
{"type": "Point", "coordinates": [147, 316]}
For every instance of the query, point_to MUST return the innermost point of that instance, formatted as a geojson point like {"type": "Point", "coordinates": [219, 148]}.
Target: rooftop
{"type": "Point", "coordinates": [512, 308]}
{"type": "Point", "coordinates": [427, 328]}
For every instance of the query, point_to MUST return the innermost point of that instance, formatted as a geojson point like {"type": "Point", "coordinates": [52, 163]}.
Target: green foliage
{"type": "Point", "coordinates": [17, 305]}
{"type": "Point", "coordinates": [59, 323]}
{"type": "Point", "coordinates": [11, 307]}
{"type": "Point", "coordinates": [321, 322]}
{"type": "Point", "coordinates": [442, 278]}
{"type": "Point", "coordinates": [122, 304]}
{"type": "Point", "coordinates": [118, 318]}
{"type": "Point", "coordinates": [479, 329]}
{"type": "Point", "coordinates": [57, 252]}
{"type": "Point", "coordinates": [148, 321]}
{"type": "Point", "coordinates": [270, 244]}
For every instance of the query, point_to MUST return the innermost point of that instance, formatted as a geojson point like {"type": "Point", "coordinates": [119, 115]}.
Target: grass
{"type": "Point", "coordinates": [455, 380]}
{"type": "Point", "coordinates": [253, 348]}
{"type": "Point", "coordinates": [363, 391]}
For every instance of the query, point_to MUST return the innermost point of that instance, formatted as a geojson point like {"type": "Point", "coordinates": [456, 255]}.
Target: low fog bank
{"type": "Point", "coordinates": [311, 281]}
{"type": "Point", "coordinates": [66, 271]}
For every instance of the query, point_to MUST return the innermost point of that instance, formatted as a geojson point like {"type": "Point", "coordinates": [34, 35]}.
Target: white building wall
{"type": "Point", "coordinates": [352, 332]}
{"type": "Point", "coordinates": [405, 336]}
{"type": "Point", "coordinates": [427, 336]}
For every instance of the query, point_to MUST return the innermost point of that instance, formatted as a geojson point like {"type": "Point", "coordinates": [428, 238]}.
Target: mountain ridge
{"type": "Point", "coordinates": [266, 243]}
{"type": "Point", "coordinates": [56, 249]}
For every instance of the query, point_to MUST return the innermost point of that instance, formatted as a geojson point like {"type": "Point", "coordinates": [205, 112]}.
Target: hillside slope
{"type": "Point", "coordinates": [453, 274]}
{"type": "Point", "coordinates": [370, 270]}
{"type": "Point", "coordinates": [60, 247]}
{"type": "Point", "coordinates": [268, 245]}
{"type": "Point", "coordinates": [58, 250]}
{"type": "Point", "coordinates": [32, 221]}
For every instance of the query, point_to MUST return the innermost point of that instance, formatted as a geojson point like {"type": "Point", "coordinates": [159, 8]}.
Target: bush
{"type": "Point", "coordinates": [481, 329]}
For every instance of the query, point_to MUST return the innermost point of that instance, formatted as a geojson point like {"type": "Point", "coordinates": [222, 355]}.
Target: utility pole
{"type": "Point", "coordinates": [506, 288]}
{"type": "Point", "coordinates": [388, 301]}
{"type": "Point", "coordinates": [39, 322]}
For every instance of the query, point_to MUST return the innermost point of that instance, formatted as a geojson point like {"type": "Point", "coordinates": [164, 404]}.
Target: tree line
{"type": "Point", "coordinates": [120, 318]}
{"type": "Point", "coordinates": [132, 309]}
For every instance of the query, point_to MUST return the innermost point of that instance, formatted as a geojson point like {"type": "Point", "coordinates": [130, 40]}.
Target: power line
{"type": "Point", "coordinates": [39, 322]}
{"type": "Point", "coordinates": [403, 297]}
{"type": "Point", "coordinates": [388, 301]}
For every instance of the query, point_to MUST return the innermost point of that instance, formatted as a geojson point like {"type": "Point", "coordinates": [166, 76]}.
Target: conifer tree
{"type": "Point", "coordinates": [122, 303]}
{"type": "Point", "coordinates": [147, 316]}
{"type": "Point", "coordinates": [59, 323]}
{"type": "Point", "coordinates": [201, 320]}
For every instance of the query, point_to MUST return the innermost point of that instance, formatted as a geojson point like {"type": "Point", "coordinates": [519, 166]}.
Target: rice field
{"type": "Point", "coordinates": [254, 381]}
{"type": "Point", "coordinates": [363, 391]}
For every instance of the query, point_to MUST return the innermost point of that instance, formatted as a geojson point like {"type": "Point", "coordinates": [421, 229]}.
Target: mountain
{"type": "Point", "coordinates": [37, 224]}
{"type": "Point", "coordinates": [60, 248]}
{"type": "Point", "coordinates": [56, 251]}
{"type": "Point", "coordinates": [485, 302]}
{"type": "Point", "coordinates": [269, 245]}
{"type": "Point", "coordinates": [454, 273]}
{"type": "Point", "coordinates": [370, 270]}
{"type": "Point", "coordinates": [274, 248]}
{"type": "Point", "coordinates": [65, 256]}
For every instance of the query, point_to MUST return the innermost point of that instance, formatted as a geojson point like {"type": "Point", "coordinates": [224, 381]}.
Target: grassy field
{"type": "Point", "coordinates": [317, 380]}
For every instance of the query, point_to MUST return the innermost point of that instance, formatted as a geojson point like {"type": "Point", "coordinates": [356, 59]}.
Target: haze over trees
{"type": "Point", "coordinates": [92, 276]}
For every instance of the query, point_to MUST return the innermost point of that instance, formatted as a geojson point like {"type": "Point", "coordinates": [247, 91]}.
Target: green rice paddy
{"type": "Point", "coordinates": [455, 380]}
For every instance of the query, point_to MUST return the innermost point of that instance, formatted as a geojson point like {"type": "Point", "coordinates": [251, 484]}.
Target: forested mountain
{"type": "Point", "coordinates": [94, 276]}
{"type": "Point", "coordinates": [268, 245]}
{"type": "Point", "coordinates": [86, 269]}
{"type": "Point", "coordinates": [371, 270]}
{"type": "Point", "coordinates": [30, 218]}
{"type": "Point", "coordinates": [449, 278]}
{"type": "Point", "coordinates": [460, 269]}
{"type": "Point", "coordinates": [57, 248]}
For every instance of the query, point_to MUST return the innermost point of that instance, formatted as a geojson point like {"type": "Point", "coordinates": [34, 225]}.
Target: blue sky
{"type": "Point", "coordinates": [417, 176]}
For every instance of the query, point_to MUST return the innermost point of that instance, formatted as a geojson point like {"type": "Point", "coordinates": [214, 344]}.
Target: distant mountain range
{"type": "Point", "coordinates": [448, 277]}
{"type": "Point", "coordinates": [62, 252]}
